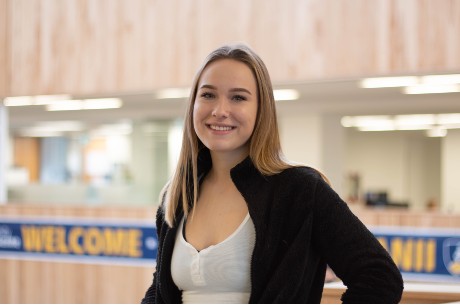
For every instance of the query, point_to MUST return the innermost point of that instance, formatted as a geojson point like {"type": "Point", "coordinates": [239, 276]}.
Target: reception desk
{"type": "Point", "coordinates": [414, 293]}
{"type": "Point", "coordinates": [58, 279]}
{"type": "Point", "coordinates": [404, 217]}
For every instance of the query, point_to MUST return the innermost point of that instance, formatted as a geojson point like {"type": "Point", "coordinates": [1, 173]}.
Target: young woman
{"type": "Point", "coordinates": [238, 224]}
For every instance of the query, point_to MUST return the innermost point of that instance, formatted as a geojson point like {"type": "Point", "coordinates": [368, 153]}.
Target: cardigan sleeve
{"type": "Point", "coordinates": [149, 297]}
{"type": "Point", "coordinates": [352, 251]}
{"type": "Point", "coordinates": [151, 293]}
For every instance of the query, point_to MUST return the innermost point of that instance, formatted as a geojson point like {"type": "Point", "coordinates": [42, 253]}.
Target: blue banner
{"type": "Point", "coordinates": [423, 253]}
{"type": "Point", "coordinates": [79, 240]}
{"type": "Point", "coordinates": [420, 253]}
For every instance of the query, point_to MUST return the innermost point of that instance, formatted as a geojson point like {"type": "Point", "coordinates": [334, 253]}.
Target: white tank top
{"type": "Point", "coordinates": [218, 274]}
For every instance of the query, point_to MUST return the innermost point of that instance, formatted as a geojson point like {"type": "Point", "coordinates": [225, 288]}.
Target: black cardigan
{"type": "Point", "coordinates": [301, 225]}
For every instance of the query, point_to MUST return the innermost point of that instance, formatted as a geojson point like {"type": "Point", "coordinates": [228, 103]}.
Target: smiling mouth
{"type": "Point", "coordinates": [221, 128]}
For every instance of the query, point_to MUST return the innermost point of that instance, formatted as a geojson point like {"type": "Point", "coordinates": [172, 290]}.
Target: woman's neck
{"type": "Point", "coordinates": [222, 163]}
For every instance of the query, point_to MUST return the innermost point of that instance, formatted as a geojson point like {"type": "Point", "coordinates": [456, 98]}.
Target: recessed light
{"type": "Point", "coordinates": [172, 93]}
{"type": "Point", "coordinates": [285, 94]}
{"type": "Point", "coordinates": [388, 82]}
{"type": "Point", "coordinates": [429, 89]}
{"type": "Point", "coordinates": [88, 104]}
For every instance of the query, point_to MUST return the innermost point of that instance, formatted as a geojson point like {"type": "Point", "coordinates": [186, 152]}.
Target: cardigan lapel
{"type": "Point", "coordinates": [255, 189]}
{"type": "Point", "coordinates": [168, 288]}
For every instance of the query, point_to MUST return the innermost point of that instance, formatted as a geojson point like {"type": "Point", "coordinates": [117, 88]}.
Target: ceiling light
{"type": "Point", "coordinates": [416, 84]}
{"type": "Point", "coordinates": [285, 94]}
{"type": "Point", "coordinates": [413, 127]}
{"type": "Point", "coordinates": [441, 79]}
{"type": "Point", "coordinates": [448, 118]}
{"type": "Point", "coordinates": [403, 122]}
{"type": "Point", "coordinates": [89, 104]}
{"type": "Point", "coordinates": [34, 100]}
{"type": "Point", "coordinates": [51, 128]}
{"type": "Point", "coordinates": [451, 126]}
{"type": "Point", "coordinates": [415, 120]}
{"type": "Point", "coordinates": [386, 82]}
{"type": "Point", "coordinates": [377, 127]}
{"type": "Point", "coordinates": [50, 99]}
{"type": "Point", "coordinates": [427, 89]}
{"type": "Point", "coordinates": [170, 93]}
{"type": "Point", "coordinates": [347, 121]}
{"type": "Point", "coordinates": [367, 121]}
{"type": "Point", "coordinates": [437, 131]}
{"type": "Point", "coordinates": [65, 105]}
{"type": "Point", "coordinates": [18, 101]}
{"type": "Point", "coordinates": [102, 103]}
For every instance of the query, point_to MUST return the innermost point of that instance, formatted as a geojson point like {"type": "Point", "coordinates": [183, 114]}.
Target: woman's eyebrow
{"type": "Point", "coordinates": [240, 89]}
{"type": "Point", "coordinates": [206, 86]}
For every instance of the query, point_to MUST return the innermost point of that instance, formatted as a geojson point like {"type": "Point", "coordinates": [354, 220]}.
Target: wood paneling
{"type": "Point", "coordinates": [27, 155]}
{"type": "Point", "coordinates": [3, 49]}
{"type": "Point", "coordinates": [101, 46]}
{"type": "Point", "coordinates": [55, 282]}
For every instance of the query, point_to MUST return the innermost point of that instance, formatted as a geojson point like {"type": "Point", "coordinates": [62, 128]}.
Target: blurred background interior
{"type": "Point", "coordinates": [93, 94]}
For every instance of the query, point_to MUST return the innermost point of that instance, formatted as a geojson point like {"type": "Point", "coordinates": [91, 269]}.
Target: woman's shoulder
{"type": "Point", "coordinates": [301, 173]}
{"type": "Point", "coordinates": [298, 177]}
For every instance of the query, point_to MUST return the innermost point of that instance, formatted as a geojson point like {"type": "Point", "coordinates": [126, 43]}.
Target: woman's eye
{"type": "Point", "coordinates": [239, 98]}
{"type": "Point", "coordinates": [207, 95]}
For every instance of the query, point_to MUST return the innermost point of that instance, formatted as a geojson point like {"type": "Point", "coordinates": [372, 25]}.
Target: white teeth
{"type": "Point", "coordinates": [221, 128]}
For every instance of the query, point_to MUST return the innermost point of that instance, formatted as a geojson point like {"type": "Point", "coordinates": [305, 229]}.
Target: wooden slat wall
{"type": "Point", "coordinates": [102, 46]}
{"type": "Point", "coordinates": [3, 50]}
{"type": "Point", "coordinates": [53, 282]}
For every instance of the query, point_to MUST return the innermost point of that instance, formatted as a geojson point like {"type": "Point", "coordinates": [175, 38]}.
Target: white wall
{"type": "Point", "coordinates": [379, 160]}
{"type": "Point", "coordinates": [424, 170]}
{"type": "Point", "coordinates": [450, 178]}
{"type": "Point", "coordinates": [405, 164]}
{"type": "Point", "coordinates": [333, 151]}
{"type": "Point", "coordinates": [316, 141]}
{"type": "Point", "coordinates": [301, 138]}
{"type": "Point", "coordinates": [150, 156]}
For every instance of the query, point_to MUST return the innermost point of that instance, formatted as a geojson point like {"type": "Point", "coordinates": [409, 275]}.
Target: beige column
{"type": "Point", "coordinates": [450, 169]}
{"type": "Point", "coordinates": [333, 143]}
{"type": "Point", "coordinates": [3, 151]}
{"type": "Point", "coordinates": [315, 140]}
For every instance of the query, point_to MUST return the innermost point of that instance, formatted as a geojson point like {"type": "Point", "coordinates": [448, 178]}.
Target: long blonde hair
{"type": "Point", "coordinates": [264, 144]}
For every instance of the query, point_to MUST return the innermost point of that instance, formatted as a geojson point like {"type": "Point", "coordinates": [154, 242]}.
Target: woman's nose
{"type": "Point", "coordinates": [221, 109]}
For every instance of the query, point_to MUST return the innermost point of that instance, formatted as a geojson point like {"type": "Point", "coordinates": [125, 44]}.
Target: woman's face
{"type": "Point", "coordinates": [225, 109]}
